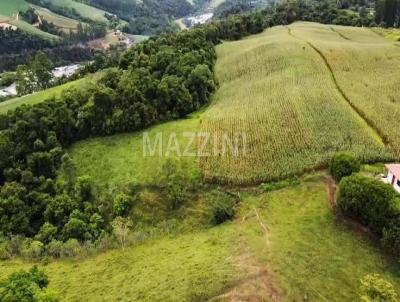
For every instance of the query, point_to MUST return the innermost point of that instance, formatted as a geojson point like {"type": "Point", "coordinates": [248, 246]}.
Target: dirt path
{"type": "Point", "coordinates": [331, 190]}
{"type": "Point", "coordinates": [257, 283]}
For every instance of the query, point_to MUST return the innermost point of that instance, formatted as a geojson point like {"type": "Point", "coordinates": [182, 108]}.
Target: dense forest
{"type": "Point", "coordinates": [148, 16]}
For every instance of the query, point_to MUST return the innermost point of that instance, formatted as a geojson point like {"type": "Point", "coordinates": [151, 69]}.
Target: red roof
{"type": "Point", "coordinates": [394, 169]}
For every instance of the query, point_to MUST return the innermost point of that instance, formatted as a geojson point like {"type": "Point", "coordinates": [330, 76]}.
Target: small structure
{"type": "Point", "coordinates": [393, 176]}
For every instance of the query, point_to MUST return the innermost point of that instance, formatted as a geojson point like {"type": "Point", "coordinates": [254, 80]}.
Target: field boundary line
{"type": "Point", "coordinates": [360, 113]}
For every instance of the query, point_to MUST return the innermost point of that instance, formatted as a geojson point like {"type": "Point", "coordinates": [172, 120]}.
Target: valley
{"type": "Point", "coordinates": [237, 160]}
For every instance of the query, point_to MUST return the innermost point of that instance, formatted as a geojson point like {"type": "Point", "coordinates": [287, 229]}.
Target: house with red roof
{"type": "Point", "coordinates": [393, 176]}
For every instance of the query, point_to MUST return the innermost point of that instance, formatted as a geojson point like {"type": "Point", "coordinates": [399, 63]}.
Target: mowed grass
{"type": "Point", "coordinates": [121, 159]}
{"type": "Point", "coordinates": [366, 67]}
{"type": "Point", "coordinates": [277, 90]}
{"type": "Point", "coordinates": [41, 96]}
{"type": "Point", "coordinates": [308, 251]}
{"type": "Point", "coordinates": [171, 269]}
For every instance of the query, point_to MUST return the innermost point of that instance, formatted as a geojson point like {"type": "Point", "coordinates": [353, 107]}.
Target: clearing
{"type": "Point", "coordinates": [41, 96]}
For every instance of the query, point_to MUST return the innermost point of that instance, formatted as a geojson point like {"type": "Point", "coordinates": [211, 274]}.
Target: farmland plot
{"type": "Point", "coordinates": [277, 90]}
{"type": "Point", "coordinates": [367, 70]}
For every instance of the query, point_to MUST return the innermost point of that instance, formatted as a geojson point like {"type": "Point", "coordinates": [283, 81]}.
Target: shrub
{"type": "Point", "coordinates": [343, 164]}
{"type": "Point", "coordinates": [223, 207]}
{"type": "Point", "coordinates": [71, 248]}
{"type": "Point", "coordinates": [54, 248]}
{"type": "Point", "coordinates": [272, 186]}
{"type": "Point", "coordinates": [375, 289]}
{"type": "Point", "coordinates": [27, 287]}
{"type": "Point", "coordinates": [122, 204]}
{"type": "Point", "coordinates": [373, 203]}
{"type": "Point", "coordinates": [32, 250]}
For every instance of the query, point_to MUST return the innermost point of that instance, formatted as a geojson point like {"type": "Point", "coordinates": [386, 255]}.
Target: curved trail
{"type": "Point", "coordinates": [361, 114]}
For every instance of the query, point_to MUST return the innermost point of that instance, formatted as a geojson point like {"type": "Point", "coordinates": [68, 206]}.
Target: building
{"type": "Point", "coordinates": [393, 176]}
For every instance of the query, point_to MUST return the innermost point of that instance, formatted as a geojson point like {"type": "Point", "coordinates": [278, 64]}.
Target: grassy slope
{"type": "Point", "coordinates": [84, 10]}
{"type": "Point", "coordinates": [164, 270]}
{"type": "Point", "coordinates": [310, 252]}
{"type": "Point", "coordinates": [9, 9]}
{"type": "Point", "coordinates": [118, 160]}
{"type": "Point", "coordinates": [58, 20]}
{"type": "Point", "coordinates": [40, 96]}
{"type": "Point", "coordinates": [307, 253]}
{"type": "Point", "coordinates": [277, 89]}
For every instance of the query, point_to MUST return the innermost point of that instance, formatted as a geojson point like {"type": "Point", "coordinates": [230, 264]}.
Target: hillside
{"type": "Point", "coordinates": [296, 116]}
{"type": "Point", "coordinates": [237, 261]}
{"type": "Point", "coordinates": [277, 88]}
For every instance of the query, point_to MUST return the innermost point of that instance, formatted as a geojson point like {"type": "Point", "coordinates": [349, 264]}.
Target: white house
{"type": "Point", "coordinates": [393, 176]}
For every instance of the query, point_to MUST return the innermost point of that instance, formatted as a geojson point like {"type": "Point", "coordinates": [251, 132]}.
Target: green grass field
{"type": "Point", "coordinates": [118, 160]}
{"type": "Point", "coordinates": [277, 89]}
{"type": "Point", "coordinates": [41, 96]}
{"type": "Point", "coordinates": [58, 20]}
{"type": "Point", "coordinates": [306, 252]}
{"type": "Point", "coordinates": [8, 12]}
{"type": "Point", "coordinates": [10, 8]}
{"type": "Point", "coordinates": [84, 10]}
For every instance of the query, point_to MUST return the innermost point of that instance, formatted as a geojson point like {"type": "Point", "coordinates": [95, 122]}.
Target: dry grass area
{"type": "Point", "coordinates": [277, 89]}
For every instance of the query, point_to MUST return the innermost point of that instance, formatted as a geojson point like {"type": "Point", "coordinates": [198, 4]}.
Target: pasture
{"type": "Point", "coordinates": [276, 88]}
{"type": "Point", "coordinates": [115, 161]}
{"type": "Point", "coordinates": [41, 96]}
{"type": "Point", "coordinates": [10, 8]}
{"type": "Point", "coordinates": [83, 10]}
{"type": "Point", "coordinates": [306, 252]}
{"type": "Point", "coordinates": [61, 22]}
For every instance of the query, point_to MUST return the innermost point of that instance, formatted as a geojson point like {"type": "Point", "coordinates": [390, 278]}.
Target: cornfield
{"type": "Point", "coordinates": [367, 68]}
{"type": "Point", "coordinates": [276, 89]}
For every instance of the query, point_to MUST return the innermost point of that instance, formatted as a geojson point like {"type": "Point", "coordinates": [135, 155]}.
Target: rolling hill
{"type": "Point", "coordinates": [233, 262]}
{"type": "Point", "coordinates": [296, 117]}
{"type": "Point", "coordinates": [292, 91]}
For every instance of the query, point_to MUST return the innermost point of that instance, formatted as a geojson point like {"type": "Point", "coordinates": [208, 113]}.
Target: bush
{"type": "Point", "coordinates": [223, 207]}
{"type": "Point", "coordinates": [122, 204]}
{"type": "Point", "coordinates": [373, 203]}
{"type": "Point", "coordinates": [375, 289]}
{"type": "Point", "coordinates": [32, 250]}
{"type": "Point", "coordinates": [273, 186]}
{"type": "Point", "coordinates": [27, 287]}
{"type": "Point", "coordinates": [343, 164]}
{"type": "Point", "coordinates": [71, 248]}
{"type": "Point", "coordinates": [368, 200]}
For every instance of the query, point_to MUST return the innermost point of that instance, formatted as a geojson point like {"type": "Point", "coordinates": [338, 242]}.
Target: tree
{"type": "Point", "coordinates": [122, 204]}
{"type": "Point", "coordinates": [42, 67]}
{"type": "Point", "coordinates": [376, 289]}
{"type": "Point", "coordinates": [121, 228]}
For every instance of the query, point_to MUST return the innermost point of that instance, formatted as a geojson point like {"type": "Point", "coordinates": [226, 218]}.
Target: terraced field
{"type": "Point", "coordinates": [277, 89]}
